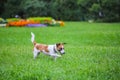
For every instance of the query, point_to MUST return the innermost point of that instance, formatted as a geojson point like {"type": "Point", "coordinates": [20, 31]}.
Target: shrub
{"type": "Point", "coordinates": [42, 20]}
{"type": "Point", "coordinates": [2, 20]}
{"type": "Point", "coordinates": [34, 20]}
{"type": "Point", "coordinates": [13, 19]}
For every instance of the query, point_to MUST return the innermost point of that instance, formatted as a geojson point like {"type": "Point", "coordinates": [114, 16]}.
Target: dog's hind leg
{"type": "Point", "coordinates": [35, 53]}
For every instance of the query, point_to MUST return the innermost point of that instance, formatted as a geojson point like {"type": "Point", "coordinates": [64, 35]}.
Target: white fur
{"type": "Point", "coordinates": [51, 48]}
{"type": "Point", "coordinates": [51, 52]}
{"type": "Point", "coordinates": [33, 37]}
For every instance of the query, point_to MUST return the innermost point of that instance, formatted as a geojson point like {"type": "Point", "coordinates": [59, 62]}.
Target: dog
{"type": "Point", "coordinates": [50, 50]}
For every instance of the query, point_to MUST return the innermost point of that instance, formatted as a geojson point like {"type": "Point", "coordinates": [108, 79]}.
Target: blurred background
{"type": "Point", "coordinates": [67, 10]}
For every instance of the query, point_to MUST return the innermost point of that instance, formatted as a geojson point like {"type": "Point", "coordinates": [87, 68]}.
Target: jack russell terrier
{"type": "Point", "coordinates": [51, 50]}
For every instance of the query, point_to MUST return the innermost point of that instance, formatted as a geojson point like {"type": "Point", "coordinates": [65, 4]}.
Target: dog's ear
{"type": "Point", "coordinates": [57, 44]}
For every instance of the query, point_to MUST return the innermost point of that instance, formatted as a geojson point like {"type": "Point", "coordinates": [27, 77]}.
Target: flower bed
{"type": "Point", "coordinates": [48, 21]}
{"type": "Point", "coordinates": [36, 25]}
{"type": "Point", "coordinates": [42, 20]}
{"type": "Point", "coordinates": [22, 22]}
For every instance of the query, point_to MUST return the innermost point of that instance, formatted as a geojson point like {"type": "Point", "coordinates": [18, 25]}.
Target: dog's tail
{"type": "Point", "coordinates": [33, 38]}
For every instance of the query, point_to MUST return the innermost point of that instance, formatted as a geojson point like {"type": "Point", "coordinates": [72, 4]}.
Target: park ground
{"type": "Point", "coordinates": [92, 52]}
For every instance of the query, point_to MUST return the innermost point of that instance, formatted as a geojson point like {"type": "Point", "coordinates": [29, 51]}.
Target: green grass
{"type": "Point", "coordinates": [92, 52]}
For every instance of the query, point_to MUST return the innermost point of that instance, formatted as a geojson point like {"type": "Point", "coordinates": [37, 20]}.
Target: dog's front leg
{"type": "Point", "coordinates": [55, 56]}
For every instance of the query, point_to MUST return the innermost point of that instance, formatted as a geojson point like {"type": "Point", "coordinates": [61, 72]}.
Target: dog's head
{"type": "Point", "coordinates": [60, 48]}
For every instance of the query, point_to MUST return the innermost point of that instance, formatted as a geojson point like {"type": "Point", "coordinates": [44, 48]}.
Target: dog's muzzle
{"type": "Point", "coordinates": [62, 51]}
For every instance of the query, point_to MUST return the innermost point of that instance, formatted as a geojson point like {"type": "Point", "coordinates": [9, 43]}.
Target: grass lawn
{"type": "Point", "coordinates": [92, 52]}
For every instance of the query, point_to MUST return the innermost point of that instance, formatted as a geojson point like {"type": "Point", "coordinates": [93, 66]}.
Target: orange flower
{"type": "Point", "coordinates": [62, 23]}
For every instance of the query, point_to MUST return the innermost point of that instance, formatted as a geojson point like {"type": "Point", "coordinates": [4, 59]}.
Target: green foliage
{"type": "Point", "coordinates": [92, 53]}
{"type": "Point", "coordinates": [41, 19]}
{"type": "Point", "coordinates": [69, 10]}
{"type": "Point", "coordinates": [34, 7]}
{"type": "Point", "coordinates": [95, 8]}
{"type": "Point", "coordinates": [2, 20]}
{"type": "Point", "coordinates": [12, 19]}
{"type": "Point", "coordinates": [111, 10]}
{"type": "Point", "coordinates": [11, 8]}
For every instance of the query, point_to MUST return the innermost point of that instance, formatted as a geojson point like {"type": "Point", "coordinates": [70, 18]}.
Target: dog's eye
{"type": "Point", "coordinates": [60, 49]}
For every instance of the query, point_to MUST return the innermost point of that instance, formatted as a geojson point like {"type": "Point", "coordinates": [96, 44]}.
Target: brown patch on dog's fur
{"type": "Point", "coordinates": [42, 47]}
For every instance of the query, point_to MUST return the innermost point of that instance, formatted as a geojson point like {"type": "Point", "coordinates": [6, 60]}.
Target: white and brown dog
{"type": "Point", "coordinates": [51, 50]}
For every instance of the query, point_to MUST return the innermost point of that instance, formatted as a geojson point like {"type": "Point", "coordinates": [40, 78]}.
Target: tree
{"type": "Point", "coordinates": [65, 10]}
{"type": "Point", "coordinates": [2, 4]}
{"type": "Point", "coordinates": [34, 7]}
{"type": "Point", "coordinates": [95, 11]}
{"type": "Point", "coordinates": [111, 10]}
{"type": "Point", "coordinates": [11, 8]}
{"type": "Point", "coordinates": [103, 10]}
{"type": "Point", "coordinates": [85, 6]}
